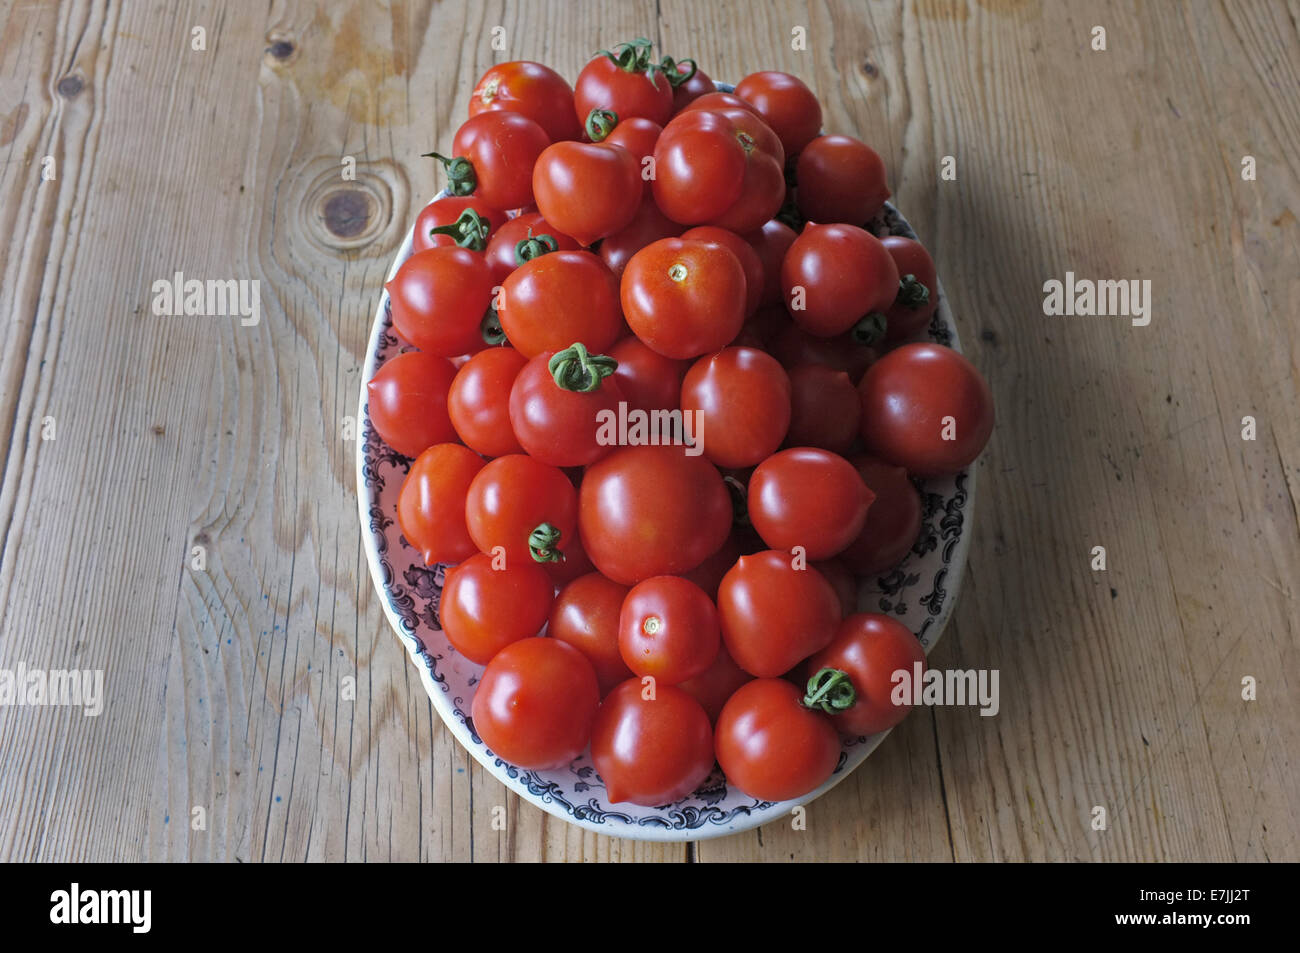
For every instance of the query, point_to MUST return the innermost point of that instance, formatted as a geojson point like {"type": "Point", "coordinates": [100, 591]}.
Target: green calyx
{"type": "Point", "coordinates": [671, 69]}
{"type": "Point", "coordinates": [490, 327]}
{"type": "Point", "coordinates": [600, 123]}
{"type": "Point", "coordinates": [575, 370]}
{"type": "Point", "coordinates": [543, 544]}
{"type": "Point", "coordinates": [461, 179]}
{"type": "Point", "coordinates": [469, 231]}
{"type": "Point", "coordinates": [634, 57]}
{"type": "Point", "coordinates": [534, 246]}
{"type": "Point", "coordinates": [830, 690]}
{"type": "Point", "coordinates": [870, 331]}
{"type": "Point", "coordinates": [911, 293]}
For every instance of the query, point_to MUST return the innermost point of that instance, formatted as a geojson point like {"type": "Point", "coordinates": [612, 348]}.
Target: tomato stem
{"type": "Point", "coordinates": [600, 123]}
{"type": "Point", "coordinates": [470, 230]}
{"type": "Point", "coordinates": [871, 329]}
{"type": "Point", "coordinates": [576, 370]}
{"type": "Point", "coordinates": [490, 327]}
{"type": "Point", "coordinates": [544, 543]}
{"type": "Point", "coordinates": [739, 500]}
{"type": "Point", "coordinates": [461, 179]}
{"type": "Point", "coordinates": [831, 690]}
{"type": "Point", "coordinates": [675, 76]}
{"type": "Point", "coordinates": [534, 246]}
{"type": "Point", "coordinates": [631, 57]}
{"type": "Point", "coordinates": [911, 293]}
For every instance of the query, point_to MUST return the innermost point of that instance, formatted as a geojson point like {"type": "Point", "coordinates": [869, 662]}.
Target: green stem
{"type": "Point", "coordinates": [470, 230]}
{"type": "Point", "coordinates": [490, 327]}
{"type": "Point", "coordinates": [461, 179]}
{"type": "Point", "coordinates": [600, 123]}
{"type": "Point", "coordinates": [831, 690]}
{"type": "Point", "coordinates": [911, 293]}
{"type": "Point", "coordinates": [544, 543]}
{"type": "Point", "coordinates": [534, 246]}
{"type": "Point", "coordinates": [631, 57]}
{"type": "Point", "coordinates": [575, 370]}
{"type": "Point", "coordinates": [871, 329]}
{"type": "Point", "coordinates": [675, 76]}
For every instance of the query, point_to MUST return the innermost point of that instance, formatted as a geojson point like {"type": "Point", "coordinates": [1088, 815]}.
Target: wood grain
{"type": "Point", "coordinates": [1119, 689]}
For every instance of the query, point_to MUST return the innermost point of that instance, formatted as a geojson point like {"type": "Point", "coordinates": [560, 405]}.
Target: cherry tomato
{"type": "Point", "coordinates": [835, 276]}
{"type": "Point", "coordinates": [440, 223]}
{"type": "Point", "coordinates": [647, 227]}
{"type": "Point", "coordinates": [927, 409]}
{"type": "Point", "coordinates": [574, 564]}
{"type": "Point", "coordinates": [504, 243]}
{"type": "Point", "coordinates": [840, 180]}
{"type": "Point", "coordinates": [651, 751]}
{"type": "Point", "coordinates": [638, 136]}
{"type": "Point", "coordinates": [918, 292]}
{"type": "Point", "coordinates": [684, 298]}
{"type": "Point", "coordinates": [719, 100]}
{"type": "Point", "coordinates": [493, 155]}
{"type": "Point", "coordinates": [485, 609]}
{"type": "Point", "coordinates": [668, 629]}
{"type": "Point", "coordinates": [712, 687]}
{"type": "Point", "coordinates": [772, 747]}
{"type": "Point", "coordinates": [528, 508]}
{"type": "Point", "coordinates": [652, 510]}
{"type": "Point", "coordinates": [626, 82]}
{"type": "Point", "coordinates": [745, 254]}
{"type": "Point", "coordinates": [439, 298]}
{"type": "Point", "coordinates": [810, 498]}
{"type": "Point", "coordinates": [869, 648]}
{"type": "Point", "coordinates": [585, 614]}
{"type": "Point", "coordinates": [842, 581]}
{"type": "Point", "coordinates": [587, 190]}
{"type": "Point", "coordinates": [536, 703]}
{"type": "Point", "coordinates": [649, 380]}
{"type": "Point", "coordinates": [740, 397]}
{"type": "Point", "coordinates": [533, 90]}
{"type": "Point", "coordinates": [479, 401]}
{"type": "Point", "coordinates": [773, 616]}
{"type": "Point", "coordinates": [762, 326]}
{"type": "Point", "coordinates": [557, 298]}
{"type": "Point", "coordinates": [561, 405]}
{"type": "Point", "coordinates": [824, 410]}
{"type": "Point", "coordinates": [772, 241]}
{"type": "Point", "coordinates": [431, 505]}
{"type": "Point", "coordinates": [408, 402]}
{"type": "Point", "coordinates": [708, 574]}
{"type": "Point", "coordinates": [689, 83]}
{"type": "Point", "coordinates": [786, 104]}
{"type": "Point", "coordinates": [893, 522]}
{"type": "Point", "coordinates": [793, 346]}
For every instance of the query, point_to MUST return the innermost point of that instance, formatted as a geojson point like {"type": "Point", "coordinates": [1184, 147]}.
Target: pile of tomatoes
{"type": "Point", "coordinates": [643, 242]}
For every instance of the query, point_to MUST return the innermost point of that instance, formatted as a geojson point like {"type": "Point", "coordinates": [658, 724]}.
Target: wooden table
{"type": "Point", "coordinates": [1120, 688]}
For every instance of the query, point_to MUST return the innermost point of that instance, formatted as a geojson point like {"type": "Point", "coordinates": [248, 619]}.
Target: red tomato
{"type": "Point", "coordinates": [786, 104]}
{"type": "Point", "coordinates": [869, 648]}
{"type": "Point", "coordinates": [833, 275]}
{"type": "Point", "coordinates": [772, 241]}
{"type": "Point", "coordinates": [559, 403]}
{"type": "Point", "coordinates": [719, 167]}
{"type": "Point", "coordinates": [840, 180]}
{"type": "Point", "coordinates": [893, 522]}
{"type": "Point", "coordinates": [440, 223]}
{"type": "Point", "coordinates": [533, 90]}
{"type": "Point", "coordinates": [741, 401]}
{"type": "Point", "coordinates": [574, 564]}
{"type": "Point", "coordinates": [523, 505]}
{"type": "Point", "coordinates": [793, 346]}
{"type": "Point", "coordinates": [810, 498]}
{"type": "Point", "coordinates": [684, 298]}
{"type": "Point", "coordinates": [651, 751]}
{"type": "Point", "coordinates": [439, 298]}
{"type": "Point", "coordinates": [717, 99]}
{"type": "Point", "coordinates": [651, 511]}
{"type": "Point", "coordinates": [587, 190]}
{"type": "Point", "coordinates": [638, 136]}
{"type": "Point", "coordinates": [689, 82]}
{"type": "Point", "coordinates": [484, 609]}
{"type": "Point", "coordinates": [762, 326]}
{"type": "Point", "coordinates": [842, 581]}
{"type": "Point", "coordinates": [712, 687]}
{"type": "Point", "coordinates": [918, 291]}
{"type": "Point", "coordinates": [824, 410]}
{"type": "Point", "coordinates": [927, 409]}
{"type": "Point", "coordinates": [770, 746]}
{"type": "Point", "coordinates": [649, 380]}
{"type": "Point", "coordinates": [408, 402]}
{"type": "Point", "coordinates": [708, 574]}
{"type": "Point", "coordinates": [504, 243]}
{"type": "Point", "coordinates": [585, 614]}
{"type": "Point", "coordinates": [479, 401]}
{"type": "Point", "coordinates": [431, 505]}
{"type": "Point", "coordinates": [647, 227]}
{"type": "Point", "coordinates": [555, 299]}
{"type": "Point", "coordinates": [536, 704]}
{"type": "Point", "coordinates": [745, 254]}
{"type": "Point", "coordinates": [626, 82]}
{"type": "Point", "coordinates": [668, 629]}
{"type": "Point", "coordinates": [773, 615]}
{"type": "Point", "coordinates": [493, 156]}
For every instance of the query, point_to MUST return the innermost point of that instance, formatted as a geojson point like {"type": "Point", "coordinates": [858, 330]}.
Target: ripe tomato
{"type": "Point", "coordinates": [626, 82]}
{"type": "Point", "coordinates": [651, 751]}
{"type": "Point", "coordinates": [842, 581]}
{"type": "Point", "coordinates": [431, 505]}
{"type": "Point", "coordinates": [793, 346]}
{"type": "Point", "coordinates": [574, 564]}
{"type": "Point", "coordinates": [773, 615]}
{"type": "Point", "coordinates": [708, 574]}
{"type": "Point", "coordinates": [536, 703]}
{"type": "Point", "coordinates": [647, 227]}
{"type": "Point", "coordinates": [638, 136]}
{"type": "Point", "coordinates": [439, 298]}
{"type": "Point", "coordinates": [668, 629]}
{"type": "Point", "coordinates": [484, 609]}
{"type": "Point", "coordinates": [689, 82]}
{"type": "Point", "coordinates": [649, 380]}
{"type": "Point", "coordinates": [684, 298]}
{"type": "Point", "coordinates": [770, 745]}
{"type": "Point", "coordinates": [441, 223]}
{"type": "Point", "coordinates": [492, 156]}
{"type": "Point", "coordinates": [810, 498]}
{"type": "Point", "coordinates": [533, 90]}
{"type": "Point", "coordinates": [840, 180]}
{"type": "Point", "coordinates": [834, 275]}
{"type": "Point", "coordinates": [786, 104]}
{"type": "Point", "coordinates": [869, 648]}
{"type": "Point", "coordinates": [717, 99]}
{"type": "Point", "coordinates": [741, 400]}
{"type": "Point", "coordinates": [927, 409]}
{"type": "Point", "coordinates": [824, 410]}
{"type": "Point", "coordinates": [712, 687]}
{"type": "Point", "coordinates": [479, 401]}
{"type": "Point", "coordinates": [893, 522]}
{"type": "Point", "coordinates": [651, 511]}
{"type": "Point", "coordinates": [719, 167]}
{"type": "Point", "coordinates": [762, 326]}
{"type": "Point", "coordinates": [745, 254]}
{"type": "Point", "coordinates": [918, 290]}
{"type": "Point", "coordinates": [555, 299]}
{"type": "Point", "coordinates": [587, 190]}
{"type": "Point", "coordinates": [585, 614]}
{"type": "Point", "coordinates": [523, 505]}
{"type": "Point", "coordinates": [772, 241]}
{"type": "Point", "coordinates": [408, 402]}
{"type": "Point", "coordinates": [559, 403]}
{"type": "Point", "coordinates": [504, 243]}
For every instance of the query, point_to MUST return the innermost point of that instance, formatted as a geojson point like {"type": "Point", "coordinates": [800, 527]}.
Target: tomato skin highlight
{"type": "Point", "coordinates": [668, 629]}
{"type": "Point", "coordinates": [840, 180]}
{"type": "Point", "coordinates": [555, 299]}
{"type": "Point", "coordinates": [484, 609]}
{"type": "Point", "coordinates": [513, 495]}
{"type": "Point", "coordinates": [408, 402]}
{"type": "Point", "coordinates": [684, 298]}
{"type": "Point", "coordinates": [651, 752]}
{"type": "Point", "coordinates": [479, 401]}
{"type": "Point", "coordinates": [532, 90]}
{"type": "Point", "coordinates": [438, 299]}
{"type": "Point", "coordinates": [431, 504]}
{"type": "Point", "coordinates": [893, 523]}
{"type": "Point", "coordinates": [844, 273]}
{"type": "Point", "coordinates": [770, 746]}
{"type": "Point", "coordinates": [740, 397]}
{"type": "Point", "coordinates": [871, 647]}
{"type": "Point", "coordinates": [808, 497]}
{"type": "Point", "coordinates": [585, 614]}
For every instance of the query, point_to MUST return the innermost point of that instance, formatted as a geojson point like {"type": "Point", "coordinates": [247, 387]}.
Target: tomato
{"type": "Point", "coordinates": [842, 581]}
{"type": "Point", "coordinates": [762, 326]}
{"type": "Point", "coordinates": [587, 190]}
{"type": "Point", "coordinates": [745, 254]}
{"type": "Point", "coordinates": [650, 511]}
{"type": "Point", "coordinates": [479, 401]}
{"type": "Point", "coordinates": [689, 82]}
{"type": "Point", "coordinates": [558, 404]}
{"type": "Point", "coordinates": [557, 298]}
{"type": "Point", "coordinates": [533, 90]}
{"type": "Point", "coordinates": [719, 167]}
{"type": "Point", "coordinates": [824, 409]}
{"type": "Point", "coordinates": [492, 156]}
{"type": "Point", "coordinates": [526, 507]}
{"type": "Point", "coordinates": [793, 346]}
{"type": "Point", "coordinates": [708, 574]}
{"type": "Point", "coordinates": [408, 402]}
{"type": "Point", "coordinates": [647, 227]}
{"type": "Point", "coordinates": [626, 82]}
{"type": "Point", "coordinates": [773, 616]}
{"type": "Point", "coordinates": [786, 104]}
{"type": "Point", "coordinates": [684, 298]}
{"type": "Point", "coordinates": [719, 100]}
{"type": "Point", "coordinates": [712, 687]}
{"type": "Point", "coordinates": [668, 629]}
{"type": "Point", "coordinates": [439, 298]}
{"type": "Point", "coordinates": [649, 380]}
{"type": "Point", "coordinates": [638, 136]}
{"type": "Point", "coordinates": [918, 291]}
{"type": "Point", "coordinates": [741, 400]}
{"type": "Point", "coordinates": [772, 747]}
{"type": "Point", "coordinates": [835, 276]}
{"type": "Point", "coordinates": [484, 609]}
{"type": "Point", "coordinates": [893, 522]}
{"type": "Point", "coordinates": [651, 751]}
{"type": "Point", "coordinates": [840, 180]}
{"type": "Point", "coordinates": [536, 703]}
{"type": "Point", "coordinates": [443, 222]}
{"type": "Point", "coordinates": [585, 614]}
{"type": "Point", "coordinates": [504, 243]}
{"type": "Point", "coordinates": [868, 648]}
{"type": "Point", "coordinates": [431, 505]}
{"type": "Point", "coordinates": [810, 498]}
{"type": "Point", "coordinates": [574, 564]}
{"type": "Point", "coordinates": [772, 241]}
{"type": "Point", "coordinates": [927, 409]}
